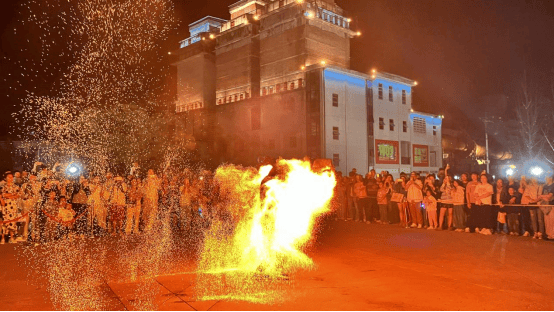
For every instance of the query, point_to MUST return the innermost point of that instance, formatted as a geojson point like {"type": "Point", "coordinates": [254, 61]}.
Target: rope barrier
{"type": "Point", "coordinates": [15, 220]}
{"type": "Point", "coordinates": [59, 221]}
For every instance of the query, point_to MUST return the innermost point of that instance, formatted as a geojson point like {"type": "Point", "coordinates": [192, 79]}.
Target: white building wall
{"type": "Point", "coordinates": [433, 141]}
{"type": "Point", "coordinates": [350, 117]}
{"type": "Point", "coordinates": [399, 113]}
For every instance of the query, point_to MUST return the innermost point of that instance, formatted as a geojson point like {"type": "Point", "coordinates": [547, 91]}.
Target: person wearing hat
{"type": "Point", "coordinates": [117, 203]}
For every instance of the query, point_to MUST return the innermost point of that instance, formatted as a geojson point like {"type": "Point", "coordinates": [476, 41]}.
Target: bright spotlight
{"type": "Point", "coordinates": [510, 172]}
{"type": "Point", "coordinates": [73, 170]}
{"type": "Point", "coordinates": [537, 171]}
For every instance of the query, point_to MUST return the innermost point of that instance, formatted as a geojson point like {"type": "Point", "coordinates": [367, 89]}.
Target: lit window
{"type": "Point", "coordinates": [335, 100]}
{"type": "Point", "coordinates": [390, 94]}
{"type": "Point", "coordinates": [404, 97]}
{"type": "Point", "coordinates": [391, 124]}
{"type": "Point", "coordinates": [336, 133]}
{"type": "Point", "coordinates": [381, 124]}
{"type": "Point", "coordinates": [380, 91]}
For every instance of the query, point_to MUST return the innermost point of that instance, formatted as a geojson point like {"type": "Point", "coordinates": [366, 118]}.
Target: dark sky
{"type": "Point", "coordinates": [460, 52]}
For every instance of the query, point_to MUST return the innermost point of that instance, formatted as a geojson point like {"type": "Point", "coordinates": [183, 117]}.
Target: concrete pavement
{"type": "Point", "coordinates": [359, 267]}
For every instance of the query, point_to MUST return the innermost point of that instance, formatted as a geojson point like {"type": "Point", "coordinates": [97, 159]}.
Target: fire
{"type": "Point", "coordinates": [266, 228]}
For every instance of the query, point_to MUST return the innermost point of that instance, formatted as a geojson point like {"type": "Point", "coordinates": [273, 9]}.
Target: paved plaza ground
{"type": "Point", "coordinates": [359, 267]}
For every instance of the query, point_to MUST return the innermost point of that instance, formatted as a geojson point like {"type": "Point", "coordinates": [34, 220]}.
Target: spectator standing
{"type": "Point", "coordinates": [151, 188]}
{"type": "Point", "coordinates": [188, 195]}
{"type": "Point", "coordinates": [458, 200]}
{"type": "Point", "coordinates": [524, 214]}
{"type": "Point", "coordinates": [483, 197]}
{"type": "Point", "coordinates": [500, 193]}
{"type": "Point", "coordinates": [415, 197]}
{"type": "Point", "coordinates": [65, 214]}
{"type": "Point", "coordinates": [512, 210]}
{"type": "Point", "coordinates": [133, 200]}
{"type": "Point", "coordinates": [472, 218]}
{"type": "Point", "coordinates": [547, 198]}
{"type": "Point", "coordinates": [10, 197]}
{"type": "Point", "coordinates": [99, 213]}
{"type": "Point", "coordinates": [79, 199]}
{"type": "Point", "coordinates": [372, 190]}
{"type": "Point", "coordinates": [363, 200]}
{"type": "Point", "coordinates": [399, 199]}
{"type": "Point", "coordinates": [382, 201]}
{"type": "Point", "coordinates": [352, 200]}
{"type": "Point", "coordinates": [31, 195]}
{"type": "Point", "coordinates": [51, 208]}
{"type": "Point", "coordinates": [117, 203]}
{"type": "Point", "coordinates": [531, 198]}
{"type": "Point", "coordinates": [446, 202]}
{"type": "Point", "coordinates": [430, 203]}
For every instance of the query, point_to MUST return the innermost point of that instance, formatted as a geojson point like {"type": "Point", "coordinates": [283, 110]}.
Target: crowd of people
{"type": "Point", "coordinates": [473, 204]}
{"type": "Point", "coordinates": [46, 204]}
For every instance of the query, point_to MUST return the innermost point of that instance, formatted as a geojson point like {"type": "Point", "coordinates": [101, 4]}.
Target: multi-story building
{"type": "Point", "coordinates": [274, 80]}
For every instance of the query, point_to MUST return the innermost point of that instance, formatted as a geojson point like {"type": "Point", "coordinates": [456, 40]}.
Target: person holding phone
{"type": "Point", "coordinates": [415, 197]}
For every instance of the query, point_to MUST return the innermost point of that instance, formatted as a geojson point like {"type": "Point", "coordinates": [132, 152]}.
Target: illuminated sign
{"type": "Point", "coordinates": [387, 152]}
{"type": "Point", "coordinates": [421, 155]}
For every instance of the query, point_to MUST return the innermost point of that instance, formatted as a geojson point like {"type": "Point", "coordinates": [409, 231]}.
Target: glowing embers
{"type": "Point", "coordinates": [258, 239]}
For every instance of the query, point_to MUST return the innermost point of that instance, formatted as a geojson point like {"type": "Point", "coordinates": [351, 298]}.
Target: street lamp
{"type": "Point", "coordinates": [537, 171]}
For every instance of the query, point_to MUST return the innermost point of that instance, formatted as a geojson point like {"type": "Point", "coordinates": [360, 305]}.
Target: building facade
{"type": "Point", "coordinates": [274, 80]}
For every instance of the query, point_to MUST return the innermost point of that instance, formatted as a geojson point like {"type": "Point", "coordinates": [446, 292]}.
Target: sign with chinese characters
{"type": "Point", "coordinates": [421, 155]}
{"type": "Point", "coordinates": [387, 152]}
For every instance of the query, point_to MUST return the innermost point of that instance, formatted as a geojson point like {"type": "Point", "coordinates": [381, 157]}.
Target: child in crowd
{"type": "Point", "coordinates": [430, 203]}
{"type": "Point", "coordinates": [513, 212]}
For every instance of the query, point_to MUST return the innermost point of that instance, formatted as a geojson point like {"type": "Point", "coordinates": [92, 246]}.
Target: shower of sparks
{"type": "Point", "coordinates": [105, 71]}
{"type": "Point", "coordinates": [100, 94]}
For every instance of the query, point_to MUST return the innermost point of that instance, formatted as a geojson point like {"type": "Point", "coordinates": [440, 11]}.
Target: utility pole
{"type": "Point", "coordinates": [486, 120]}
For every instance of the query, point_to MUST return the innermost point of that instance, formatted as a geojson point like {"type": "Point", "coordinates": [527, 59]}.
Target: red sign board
{"type": "Point", "coordinates": [386, 152]}
{"type": "Point", "coordinates": [421, 155]}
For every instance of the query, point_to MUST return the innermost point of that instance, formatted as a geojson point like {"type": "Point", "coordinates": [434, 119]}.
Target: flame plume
{"type": "Point", "coordinates": [259, 238]}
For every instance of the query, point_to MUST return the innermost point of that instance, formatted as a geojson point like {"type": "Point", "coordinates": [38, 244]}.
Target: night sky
{"type": "Point", "coordinates": [464, 54]}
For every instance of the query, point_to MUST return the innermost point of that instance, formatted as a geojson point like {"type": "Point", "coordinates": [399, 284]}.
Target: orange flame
{"type": "Point", "coordinates": [269, 231]}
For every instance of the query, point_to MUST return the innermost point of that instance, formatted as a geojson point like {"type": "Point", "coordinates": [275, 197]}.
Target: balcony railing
{"type": "Point", "coordinates": [328, 16]}
{"type": "Point", "coordinates": [190, 40]}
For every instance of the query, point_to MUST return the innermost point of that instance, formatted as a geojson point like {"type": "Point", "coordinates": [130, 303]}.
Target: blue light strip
{"type": "Point", "coordinates": [341, 77]}
{"type": "Point", "coordinates": [433, 121]}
